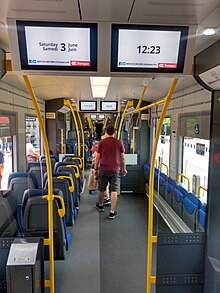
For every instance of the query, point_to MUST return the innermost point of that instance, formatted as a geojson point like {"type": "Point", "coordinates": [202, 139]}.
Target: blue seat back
{"type": "Point", "coordinates": [34, 225]}
{"type": "Point", "coordinates": [8, 225]}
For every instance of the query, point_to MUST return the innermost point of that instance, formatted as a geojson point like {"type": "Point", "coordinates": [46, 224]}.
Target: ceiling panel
{"type": "Point", "coordinates": [171, 11]}
{"type": "Point", "coordinates": [79, 88]}
{"type": "Point", "coordinates": [65, 10]}
{"type": "Point", "coordinates": [105, 10]}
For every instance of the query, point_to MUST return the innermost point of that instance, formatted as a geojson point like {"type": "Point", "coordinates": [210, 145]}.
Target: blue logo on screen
{"type": "Point", "coordinates": [122, 63]}
{"type": "Point", "coordinates": [32, 61]}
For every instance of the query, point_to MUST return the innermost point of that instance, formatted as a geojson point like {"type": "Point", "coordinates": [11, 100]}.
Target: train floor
{"type": "Point", "coordinates": [107, 255]}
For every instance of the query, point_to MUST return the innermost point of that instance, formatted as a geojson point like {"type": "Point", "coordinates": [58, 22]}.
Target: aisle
{"type": "Point", "coordinates": [106, 256]}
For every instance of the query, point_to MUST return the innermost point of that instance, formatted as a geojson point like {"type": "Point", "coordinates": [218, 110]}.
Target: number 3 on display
{"type": "Point", "coordinates": [63, 47]}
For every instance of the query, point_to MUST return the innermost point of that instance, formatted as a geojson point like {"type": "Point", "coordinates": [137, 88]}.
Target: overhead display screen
{"type": "Point", "coordinates": [138, 48]}
{"type": "Point", "coordinates": [109, 106]}
{"type": "Point", "coordinates": [93, 117]}
{"type": "Point", "coordinates": [88, 106]}
{"type": "Point", "coordinates": [57, 46]}
{"type": "Point", "coordinates": [101, 116]}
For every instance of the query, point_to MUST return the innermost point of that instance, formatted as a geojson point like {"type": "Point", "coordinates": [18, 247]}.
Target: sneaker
{"type": "Point", "coordinates": [112, 215]}
{"type": "Point", "coordinates": [107, 201]}
{"type": "Point", "coordinates": [99, 208]}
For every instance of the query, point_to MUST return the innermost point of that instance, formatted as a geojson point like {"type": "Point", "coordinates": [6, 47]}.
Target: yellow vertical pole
{"type": "Point", "coordinates": [116, 120]}
{"type": "Point", "coordinates": [152, 239]}
{"type": "Point", "coordinates": [129, 103]}
{"type": "Point", "coordinates": [141, 98]}
{"type": "Point", "coordinates": [67, 103]}
{"type": "Point", "coordinates": [50, 196]}
{"type": "Point", "coordinates": [105, 122]}
{"type": "Point", "coordinates": [83, 137]}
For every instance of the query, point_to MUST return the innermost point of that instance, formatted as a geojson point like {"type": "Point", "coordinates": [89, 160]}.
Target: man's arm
{"type": "Point", "coordinates": [124, 171]}
{"type": "Point", "coordinates": [96, 164]}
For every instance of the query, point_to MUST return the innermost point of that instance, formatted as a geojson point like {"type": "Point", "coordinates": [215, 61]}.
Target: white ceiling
{"type": "Point", "coordinates": [189, 12]}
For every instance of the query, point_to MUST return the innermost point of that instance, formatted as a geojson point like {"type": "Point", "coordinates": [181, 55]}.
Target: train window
{"type": "Point", "coordinates": [7, 130]}
{"type": "Point", "coordinates": [163, 149]}
{"type": "Point", "coordinates": [32, 138]}
{"type": "Point", "coordinates": [196, 161]}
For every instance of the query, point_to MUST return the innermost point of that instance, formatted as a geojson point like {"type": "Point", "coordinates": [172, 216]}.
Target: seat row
{"type": "Point", "coordinates": [23, 208]}
{"type": "Point", "coordinates": [187, 205]}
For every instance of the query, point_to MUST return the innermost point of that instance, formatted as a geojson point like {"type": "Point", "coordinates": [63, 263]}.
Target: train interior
{"type": "Point", "coordinates": [166, 113]}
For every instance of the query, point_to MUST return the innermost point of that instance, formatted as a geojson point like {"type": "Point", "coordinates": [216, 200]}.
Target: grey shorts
{"type": "Point", "coordinates": [111, 177]}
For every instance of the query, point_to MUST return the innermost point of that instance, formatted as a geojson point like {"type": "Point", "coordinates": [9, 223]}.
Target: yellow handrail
{"type": "Point", "coordinates": [89, 121]}
{"type": "Point", "coordinates": [199, 190]}
{"type": "Point", "coordinates": [77, 174]}
{"type": "Point", "coordinates": [71, 187]}
{"type": "Point", "coordinates": [118, 115]}
{"type": "Point", "coordinates": [161, 166]}
{"type": "Point", "coordinates": [50, 196]}
{"type": "Point", "coordinates": [147, 107]}
{"type": "Point", "coordinates": [151, 239]}
{"type": "Point", "coordinates": [83, 141]}
{"type": "Point", "coordinates": [180, 175]}
{"type": "Point", "coordinates": [129, 103]}
{"type": "Point", "coordinates": [105, 122]}
{"type": "Point", "coordinates": [67, 103]}
{"type": "Point", "coordinates": [156, 162]}
{"type": "Point", "coordinates": [141, 98]}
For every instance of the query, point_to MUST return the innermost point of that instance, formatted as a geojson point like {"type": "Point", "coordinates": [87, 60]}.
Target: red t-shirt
{"type": "Point", "coordinates": [110, 150]}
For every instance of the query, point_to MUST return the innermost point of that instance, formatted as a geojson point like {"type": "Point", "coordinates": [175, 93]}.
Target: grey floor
{"type": "Point", "coordinates": [106, 255]}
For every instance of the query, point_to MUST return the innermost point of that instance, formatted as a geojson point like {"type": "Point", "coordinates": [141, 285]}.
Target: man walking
{"type": "Point", "coordinates": [110, 152]}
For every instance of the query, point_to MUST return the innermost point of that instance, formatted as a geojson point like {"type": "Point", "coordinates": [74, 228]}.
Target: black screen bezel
{"type": "Point", "coordinates": [101, 107]}
{"type": "Point", "coordinates": [80, 106]}
{"type": "Point", "coordinates": [181, 54]}
{"type": "Point", "coordinates": [23, 47]}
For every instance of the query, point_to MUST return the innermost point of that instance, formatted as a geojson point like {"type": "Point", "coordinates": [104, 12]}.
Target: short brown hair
{"type": "Point", "coordinates": [110, 130]}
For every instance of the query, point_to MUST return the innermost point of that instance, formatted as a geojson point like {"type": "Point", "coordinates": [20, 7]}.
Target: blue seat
{"type": "Point", "coordinates": [67, 167]}
{"type": "Point", "coordinates": [69, 177]}
{"type": "Point", "coordinates": [37, 226]}
{"type": "Point", "coordinates": [38, 169]}
{"type": "Point", "coordinates": [8, 225]}
{"type": "Point", "coordinates": [53, 159]}
{"type": "Point", "coordinates": [190, 206]}
{"type": "Point", "coordinates": [162, 186]}
{"type": "Point", "coordinates": [177, 201]}
{"type": "Point", "coordinates": [64, 186]}
{"type": "Point", "coordinates": [169, 187]}
{"type": "Point", "coordinates": [201, 219]}
{"type": "Point", "coordinates": [18, 182]}
{"type": "Point", "coordinates": [147, 171]}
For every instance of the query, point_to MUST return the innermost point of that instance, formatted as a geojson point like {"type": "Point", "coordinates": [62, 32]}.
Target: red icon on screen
{"type": "Point", "coordinates": [79, 63]}
{"type": "Point", "coordinates": [167, 65]}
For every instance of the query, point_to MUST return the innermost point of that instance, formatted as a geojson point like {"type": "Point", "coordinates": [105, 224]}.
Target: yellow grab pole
{"type": "Point", "coordinates": [118, 115]}
{"type": "Point", "coordinates": [147, 107]}
{"type": "Point", "coordinates": [129, 103]}
{"type": "Point", "coordinates": [180, 175]}
{"type": "Point", "coordinates": [105, 122]}
{"type": "Point", "coordinates": [50, 196]}
{"type": "Point", "coordinates": [116, 120]}
{"type": "Point", "coordinates": [90, 122]}
{"type": "Point", "coordinates": [151, 238]}
{"type": "Point", "coordinates": [83, 139]}
{"type": "Point", "coordinates": [163, 164]}
{"type": "Point", "coordinates": [199, 190]}
{"type": "Point", "coordinates": [141, 98]}
{"type": "Point", "coordinates": [66, 102]}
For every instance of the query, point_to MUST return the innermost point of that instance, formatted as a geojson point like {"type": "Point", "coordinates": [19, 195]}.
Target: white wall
{"type": "Point", "coordinates": [17, 101]}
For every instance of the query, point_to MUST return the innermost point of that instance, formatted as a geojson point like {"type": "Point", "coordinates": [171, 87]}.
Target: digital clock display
{"type": "Point", "coordinates": [148, 48]}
